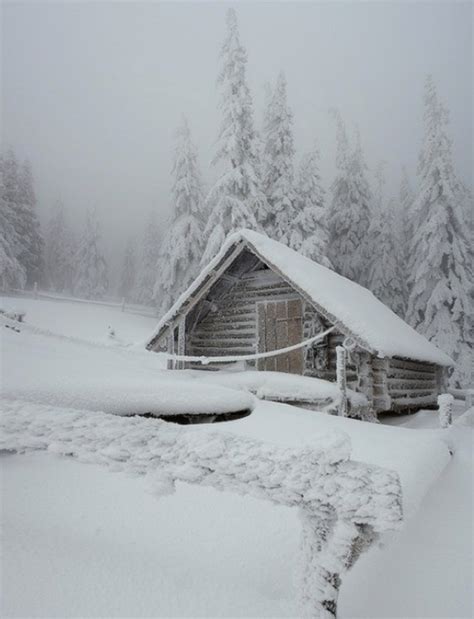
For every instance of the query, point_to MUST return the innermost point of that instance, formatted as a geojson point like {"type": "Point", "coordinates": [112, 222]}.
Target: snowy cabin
{"type": "Point", "coordinates": [258, 295]}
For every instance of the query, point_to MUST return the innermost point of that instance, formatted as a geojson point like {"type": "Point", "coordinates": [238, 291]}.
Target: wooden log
{"type": "Point", "coordinates": [418, 366]}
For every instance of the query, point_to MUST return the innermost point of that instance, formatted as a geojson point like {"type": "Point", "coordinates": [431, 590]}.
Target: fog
{"type": "Point", "coordinates": [92, 92]}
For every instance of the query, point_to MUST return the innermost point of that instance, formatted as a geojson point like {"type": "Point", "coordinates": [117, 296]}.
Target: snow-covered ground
{"type": "Point", "coordinates": [79, 540]}
{"type": "Point", "coordinates": [83, 320]}
{"type": "Point", "coordinates": [60, 371]}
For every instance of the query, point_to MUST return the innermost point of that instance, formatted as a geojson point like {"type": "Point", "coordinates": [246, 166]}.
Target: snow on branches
{"type": "Point", "coordinates": [91, 277]}
{"type": "Point", "coordinates": [278, 173]}
{"type": "Point", "coordinates": [440, 303]}
{"type": "Point", "coordinates": [236, 200]}
{"type": "Point", "coordinates": [310, 233]}
{"type": "Point", "coordinates": [180, 252]}
{"type": "Point", "coordinates": [350, 209]}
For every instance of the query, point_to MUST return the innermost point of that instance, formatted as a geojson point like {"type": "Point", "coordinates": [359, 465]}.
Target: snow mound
{"type": "Point", "coordinates": [281, 387]}
{"type": "Point", "coordinates": [57, 371]}
{"type": "Point", "coordinates": [313, 476]}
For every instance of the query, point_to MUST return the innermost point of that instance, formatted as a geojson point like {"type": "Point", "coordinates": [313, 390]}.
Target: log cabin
{"type": "Point", "coordinates": [258, 295]}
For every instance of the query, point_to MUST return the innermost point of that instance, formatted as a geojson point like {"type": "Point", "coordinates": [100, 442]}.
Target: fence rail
{"type": "Point", "coordinates": [463, 394]}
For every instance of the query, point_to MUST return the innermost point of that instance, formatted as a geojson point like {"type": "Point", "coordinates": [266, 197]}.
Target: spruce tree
{"type": "Point", "coordinates": [385, 274]}
{"type": "Point", "coordinates": [236, 200]}
{"type": "Point", "coordinates": [91, 278]}
{"type": "Point", "coordinates": [310, 233]}
{"type": "Point", "coordinates": [278, 171]}
{"type": "Point", "coordinates": [182, 247]}
{"type": "Point", "coordinates": [12, 273]}
{"type": "Point", "coordinates": [350, 210]}
{"type": "Point", "coordinates": [405, 231]}
{"type": "Point", "coordinates": [147, 267]}
{"type": "Point", "coordinates": [440, 306]}
{"type": "Point", "coordinates": [20, 198]}
{"type": "Point", "coordinates": [60, 251]}
{"type": "Point", "coordinates": [128, 274]}
{"type": "Point", "coordinates": [32, 254]}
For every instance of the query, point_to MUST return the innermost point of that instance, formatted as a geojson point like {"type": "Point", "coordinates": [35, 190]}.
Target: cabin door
{"type": "Point", "coordinates": [280, 324]}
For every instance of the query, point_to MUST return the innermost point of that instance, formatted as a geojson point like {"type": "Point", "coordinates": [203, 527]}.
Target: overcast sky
{"type": "Point", "coordinates": [92, 92]}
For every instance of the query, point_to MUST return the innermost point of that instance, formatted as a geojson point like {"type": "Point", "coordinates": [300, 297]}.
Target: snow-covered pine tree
{"type": "Point", "coordinates": [60, 251]}
{"type": "Point", "coordinates": [405, 230]}
{"type": "Point", "coordinates": [350, 209]}
{"type": "Point", "coordinates": [181, 251]}
{"type": "Point", "coordinates": [440, 306]}
{"type": "Point", "coordinates": [12, 273]}
{"type": "Point", "coordinates": [33, 245]}
{"type": "Point", "coordinates": [236, 200]}
{"type": "Point", "coordinates": [91, 277]}
{"type": "Point", "coordinates": [128, 275]}
{"type": "Point", "coordinates": [310, 233]}
{"type": "Point", "coordinates": [147, 267]}
{"type": "Point", "coordinates": [385, 275]}
{"type": "Point", "coordinates": [278, 169]}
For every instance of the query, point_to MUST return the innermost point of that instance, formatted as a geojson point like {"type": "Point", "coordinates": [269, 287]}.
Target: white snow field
{"type": "Point", "coordinates": [55, 370]}
{"type": "Point", "coordinates": [81, 541]}
{"type": "Point", "coordinates": [85, 320]}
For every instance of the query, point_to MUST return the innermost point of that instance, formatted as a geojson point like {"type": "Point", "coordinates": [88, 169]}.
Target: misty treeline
{"type": "Point", "coordinates": [412, 250]}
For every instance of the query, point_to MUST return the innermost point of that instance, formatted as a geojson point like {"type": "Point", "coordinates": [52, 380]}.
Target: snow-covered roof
{"type": "Point", "coordinates": [354, 308]}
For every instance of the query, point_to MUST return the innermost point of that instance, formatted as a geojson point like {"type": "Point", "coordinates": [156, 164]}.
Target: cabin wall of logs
{"type": "Point", "coordinates": [224, 322]}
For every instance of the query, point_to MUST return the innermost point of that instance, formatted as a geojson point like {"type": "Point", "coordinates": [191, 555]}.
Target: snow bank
{"type": "Point", "coordinates": [344, 505]}
{"type": "Point", "coordinates": [318, 473]}
{"type": "Point", "coordinates": [279, 386]}
{"type": "Point", "coordinates": [418, 456]}
{"type": "Point", "coordinates": [355, 307]}
{"type": "Point", "coordinates": [58, 371]}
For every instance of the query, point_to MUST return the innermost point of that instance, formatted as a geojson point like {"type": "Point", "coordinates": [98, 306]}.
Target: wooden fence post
{"type": "Point", "coordinates": [445, 407]}
{"type": "Point", "coordinates": [341, 379]}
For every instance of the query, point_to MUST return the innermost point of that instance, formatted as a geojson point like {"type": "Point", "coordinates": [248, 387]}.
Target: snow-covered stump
{"type": "Point", "coordinates": [445, 408]}
{"type": "Point", "coordinates": [344, 505]}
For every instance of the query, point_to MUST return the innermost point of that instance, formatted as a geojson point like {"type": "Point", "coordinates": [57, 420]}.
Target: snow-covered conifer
{"type": "Point", "coordinates": [12, 273]}
{"type": "Point", "coordinates": [440, 306]}
{"type": "Point", "coordinates": [236, 200]}
{"type": "Point", "coordinates": [278, 171]}
{"type": "Point", "coordinates": [147, 265]}
{"type": "Point", "coordinates": [181, 251]}
{"type": "Point", "coordinates": [310, 233]}
{"type": "Point", "coordinates": [385, 275]}
{"type": "Point", "coordinates": [128, 275]}
{"type": "Point", "coordinates": [60, 251]}
{"type": "Point", "coordinates": [404, 230]}
{"type": "Point", "coordinates": [91, 277]}
{"type": "Point", "coordinates": [350, 210]}
{"type": "Point", "coordinates": [31, 256]}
